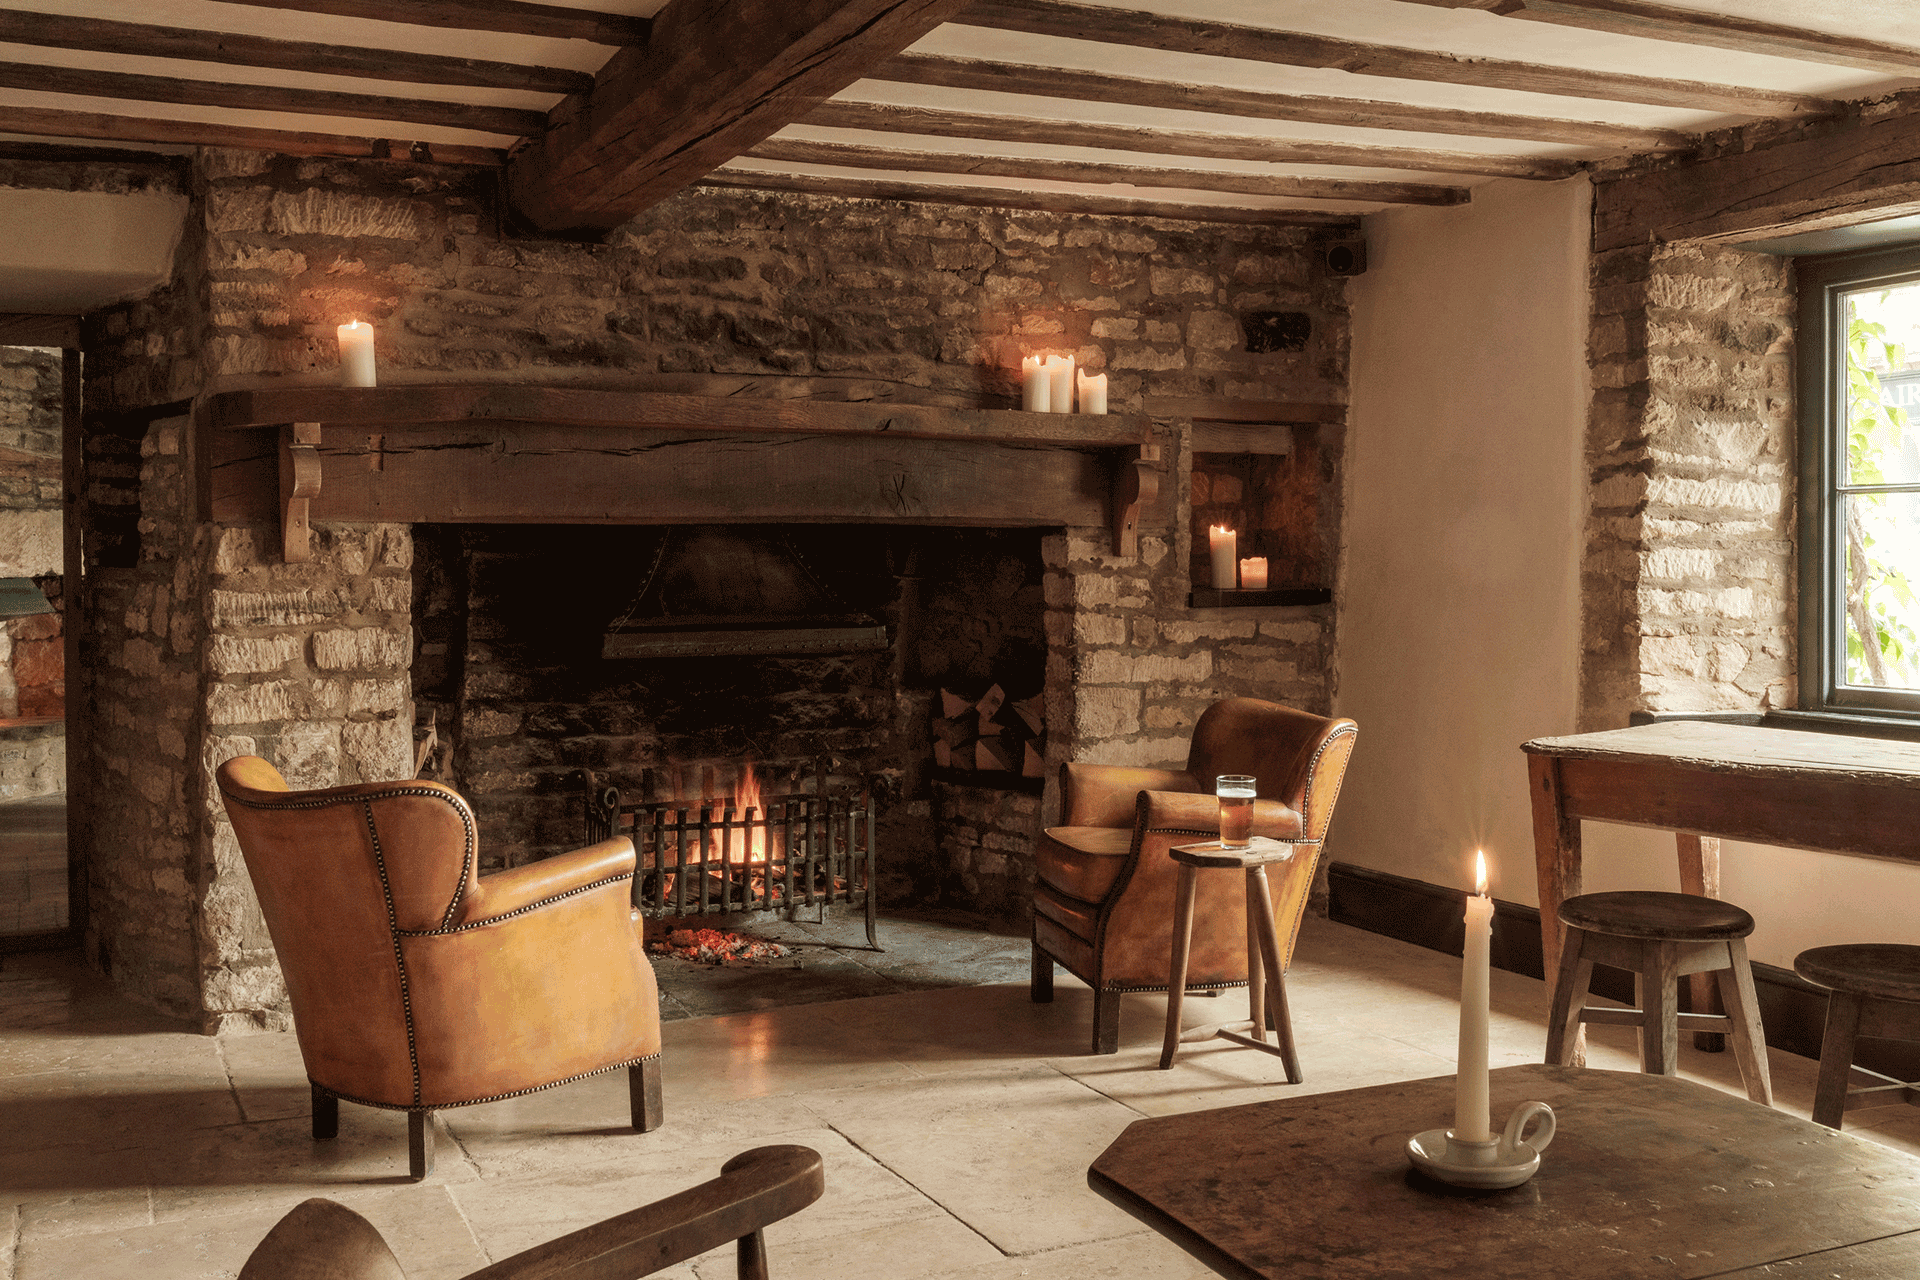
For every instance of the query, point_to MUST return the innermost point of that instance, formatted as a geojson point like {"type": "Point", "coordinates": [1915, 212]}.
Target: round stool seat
{"type": "Point", "coordinates": [1662, 917]}
{"type": "Point", "coordinates": [1888, 971]}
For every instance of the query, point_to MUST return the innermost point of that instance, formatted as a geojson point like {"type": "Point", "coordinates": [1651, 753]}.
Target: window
{"type": "Point", "coordinates": [1860, 483]}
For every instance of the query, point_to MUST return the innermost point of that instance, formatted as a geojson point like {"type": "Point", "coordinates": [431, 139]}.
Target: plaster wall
{"type": "Point", "coordinates": [1460, 596]}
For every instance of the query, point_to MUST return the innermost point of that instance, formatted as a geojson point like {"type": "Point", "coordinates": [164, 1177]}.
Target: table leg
{"type": "Point", "coordinates": [1556, 859]}
{"type": "Point", "coordinates": [1256, 968]}
{"type": "Point", "coordinates": [1177, 968]}
{"type": "Point", "coordinates": [1700, 874]}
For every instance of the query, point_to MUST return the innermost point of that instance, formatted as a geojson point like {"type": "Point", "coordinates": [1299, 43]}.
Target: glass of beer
{"type": "Point", "coordinates": [1236, 793]}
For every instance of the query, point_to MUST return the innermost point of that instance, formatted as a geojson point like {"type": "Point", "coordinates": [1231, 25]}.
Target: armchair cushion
{"type": "Point", "coordinates": [1082, 862]}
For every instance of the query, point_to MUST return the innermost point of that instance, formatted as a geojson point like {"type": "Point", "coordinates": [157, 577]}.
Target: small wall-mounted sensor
{"type": "Point", "coordinates": [1347, 257]}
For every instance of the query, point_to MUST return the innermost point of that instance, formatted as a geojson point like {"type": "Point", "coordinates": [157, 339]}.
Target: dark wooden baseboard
{"type": "Point", "coordinates": [1793, 1010]}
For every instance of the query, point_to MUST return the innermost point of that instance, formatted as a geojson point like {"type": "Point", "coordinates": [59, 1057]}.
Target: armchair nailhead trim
{"type": "Point", "coordinates": [399, 955]}
{"type": "Point", "coordinates": [474, 1102]}
{"type": "Point", "coordinates": [517, 911]}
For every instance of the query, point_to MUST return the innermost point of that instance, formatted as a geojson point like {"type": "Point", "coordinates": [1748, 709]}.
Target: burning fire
{"type": "Point", "coordinates": [746, 802]}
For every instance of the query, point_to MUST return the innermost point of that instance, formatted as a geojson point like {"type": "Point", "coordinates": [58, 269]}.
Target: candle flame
{"type": "Point", "coordinates": [1480, 873]}
{"type": "Point", "coordinates": [1218, 528]}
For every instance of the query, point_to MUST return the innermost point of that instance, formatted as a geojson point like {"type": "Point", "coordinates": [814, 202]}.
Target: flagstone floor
{"type": "Point", "coordinates": [956, 1122]}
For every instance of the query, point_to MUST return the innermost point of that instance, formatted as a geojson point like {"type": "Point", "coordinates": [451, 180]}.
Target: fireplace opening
{"type": "Point", "coordinates": [512, 627]}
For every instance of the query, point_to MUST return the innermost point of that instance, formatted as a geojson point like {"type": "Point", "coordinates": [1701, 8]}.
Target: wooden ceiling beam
{"type": "Point", "coordinates": [715, 77]}
{"type": "Point", "coordinates": [1292, 48]}
{"type": "Point", "coordinates": [800, 151]}
{"type": "Point", "coordinates": [24, 329]}
{"type": "Point", "coordinates": [510, 121]}
{"type": "Point", "coordinates": [1218, 146]}
{"type": "Point", "coordinates": [102, 35]}
{"type": "Point", "coordinates": [1172, 95]}
{"type": "Point", "coordinates": [1714, 30]}
{"type": "Point", "coordinates": [1008, 198]}
{"type": "Point", "coordinates": [513, 17]}
{"type": "Point", "coordinates": [46, 123]}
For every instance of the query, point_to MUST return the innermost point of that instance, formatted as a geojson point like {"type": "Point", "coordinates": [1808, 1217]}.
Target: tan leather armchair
{"type": "Point", "coordinates": [418, 984]}
{"type": "Point", "coordinates": [1104, 888]}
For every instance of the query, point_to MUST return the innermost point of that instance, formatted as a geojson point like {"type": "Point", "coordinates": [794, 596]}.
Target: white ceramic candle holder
{"type": "Point", "coordinates": [1506, 1161]}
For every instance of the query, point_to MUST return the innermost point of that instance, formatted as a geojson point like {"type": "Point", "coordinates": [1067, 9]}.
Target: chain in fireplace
{"type": "Point", "coordinates": [752, 853]}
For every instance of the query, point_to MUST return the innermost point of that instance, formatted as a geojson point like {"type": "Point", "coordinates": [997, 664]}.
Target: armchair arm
{"type": "Point", "coordinates": [1182, 811]}
{"type": "Point", "coordinates": [754, 1188]}
{"type": "Point", "coordinates": [1103, 795]}
{"type": "Point", "coordinates": [519, 888]}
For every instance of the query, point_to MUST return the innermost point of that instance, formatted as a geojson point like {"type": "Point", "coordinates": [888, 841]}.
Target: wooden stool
{"type": "Point", "coordinates": [1266, 980]}
{"type": "Point", "coordinates": [1876, 993]}
{"type": "Point", "coordinates": [1661, 937]}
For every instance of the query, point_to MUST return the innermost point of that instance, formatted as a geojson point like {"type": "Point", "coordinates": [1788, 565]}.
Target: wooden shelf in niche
{"type": "Point", "coordinates": [1212, 598]}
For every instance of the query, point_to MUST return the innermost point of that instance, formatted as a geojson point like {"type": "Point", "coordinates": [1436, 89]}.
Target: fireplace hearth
{"type": "Point", "coordinates": [750, 852]}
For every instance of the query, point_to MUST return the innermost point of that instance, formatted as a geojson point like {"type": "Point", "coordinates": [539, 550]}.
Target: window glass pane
{"type": "Point", "coordinates": [1882, 609]}
{"type": "Point", "coordinates": [1883, 385]}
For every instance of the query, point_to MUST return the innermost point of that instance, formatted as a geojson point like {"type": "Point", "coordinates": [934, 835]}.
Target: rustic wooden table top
{"type": "Point", "coordinates": [1744, 748]}
{"type": "Point", "coordinates": [1648, 1176]}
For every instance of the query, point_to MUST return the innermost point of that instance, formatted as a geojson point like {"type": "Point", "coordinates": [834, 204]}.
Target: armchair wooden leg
{"type": "Point", "coordinates": [326, 1115]}
{"type": "Point", "coordinates": [1040, 988]}
{"type": "Point", "coordinates": [419, 1144]}
{"type": "Point", "coordinates": [643, 1095]}
{"type": "Point", "coordinates": [1106, 1020]}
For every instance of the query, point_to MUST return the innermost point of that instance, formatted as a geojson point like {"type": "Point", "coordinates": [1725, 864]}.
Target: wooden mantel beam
{"type": "Point", "coordinates": [714, 78]}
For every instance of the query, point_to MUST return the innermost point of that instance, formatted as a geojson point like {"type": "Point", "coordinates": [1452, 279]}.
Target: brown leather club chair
{"type": "Point", "coordinates": [1103, 896]}
{"type": "Point", "coordinates": [418, 984]}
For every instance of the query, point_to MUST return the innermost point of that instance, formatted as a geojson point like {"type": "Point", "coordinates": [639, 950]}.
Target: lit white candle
{"type": "Point", "coordinates": [1253, 573]}
{"type": "Point", "coordinates": [1220, 547]}
{"type": "Point", "coordinates": [1093, 392]}
{"type": "Point", "coordinates": [1034, 384]}
{"type": "Point", "coordinates": [1060, 379]}
{"type": "Point", "coordinates": [1470, 1088]}
{"type": "Point", "coordinates": [356, 354]}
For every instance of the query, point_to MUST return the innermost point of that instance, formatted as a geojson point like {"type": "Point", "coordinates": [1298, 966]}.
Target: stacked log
{"type": "Point", "coordinates": [991, 733]}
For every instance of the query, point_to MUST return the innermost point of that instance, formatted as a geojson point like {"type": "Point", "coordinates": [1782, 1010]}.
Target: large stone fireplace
{"type": "Point", "coordinates": [203, 640]}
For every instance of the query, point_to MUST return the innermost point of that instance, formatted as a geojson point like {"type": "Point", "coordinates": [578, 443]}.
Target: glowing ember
{"type": "Point", "coordinates": [716, 946]}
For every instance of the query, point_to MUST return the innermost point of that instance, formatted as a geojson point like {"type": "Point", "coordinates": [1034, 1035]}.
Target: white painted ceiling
{"type": "Point", "coordinates": [1400, 23]}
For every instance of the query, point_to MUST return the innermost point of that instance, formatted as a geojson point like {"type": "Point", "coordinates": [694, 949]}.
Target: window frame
{"type": "Point", "coordinates": [1823, 280]}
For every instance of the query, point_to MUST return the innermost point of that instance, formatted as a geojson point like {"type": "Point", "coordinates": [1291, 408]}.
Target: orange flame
{"type": "Point", "coordinates": [746, 795]}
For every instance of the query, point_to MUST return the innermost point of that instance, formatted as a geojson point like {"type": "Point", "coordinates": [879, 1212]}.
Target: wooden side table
{"type": "Point", "coordinates": [1266, 979]}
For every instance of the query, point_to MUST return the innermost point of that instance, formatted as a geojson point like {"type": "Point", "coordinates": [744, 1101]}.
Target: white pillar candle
{"type": "Point", "coordinates": [356, 354]}
{"type": "Point", "coordinates": [1093, 392]}
{"type": "Point", "coordinates": [1220, 545]}
{"type": "Point", "coordinates": [1253, 573]}
{"type": "Point", "coordinates": [1034, 384]}
{"type": "Point", "coordinates": [1470, 1087]}
{"type": "Point", "coordinates": [1060, 380]}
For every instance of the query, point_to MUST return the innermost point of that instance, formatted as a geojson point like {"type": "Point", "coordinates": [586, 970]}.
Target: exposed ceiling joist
{"type": "Point", "coordinates": [1173, 95]}
{"type": "Point", "coordinates": [256, 97]}
{"type": "Point", "coordinates": [1217, 146]}
{"type": "Point", "coordinates": [1693, 26]}
{"type": "Point", "coordinates": [1007, 198]}
{"type": "Point", "coordinates": [801, 151]}
{"type": "Point", "coordinates": [1292, 48]}
{"type": "Point", "coordinates": [512, 16]}
{"type": "Point", "coordinates": [715, 77]}
{"type": "Point", "coordinates": [43, 122]}
{"type": "Point", "coordinates": [101, 35]}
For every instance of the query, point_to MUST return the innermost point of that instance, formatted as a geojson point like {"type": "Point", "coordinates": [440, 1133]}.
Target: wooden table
{"type": "Point", "coordinates": [1705, 780]}
{"type": "Point", "coordinates": [1648, 1176]}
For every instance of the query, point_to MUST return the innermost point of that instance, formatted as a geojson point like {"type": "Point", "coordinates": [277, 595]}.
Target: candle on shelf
{"type": "Point", "coordinates": [1093, 392]}
{"type": "Point", "coordinates": [1034, 384]}
{"type": "Point", "coordinates": [1220, 546]}
{"type": "Point", "coordinates": [1060, 380]}
{"type": "Point", "coordinates": [1470, 1087]}
{"type": "Point", "coordinates": [356, 354]}
{"type": "Point", "coordinates": [1253, 573]}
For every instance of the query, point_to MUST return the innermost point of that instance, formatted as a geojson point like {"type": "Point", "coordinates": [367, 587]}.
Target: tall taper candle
{"type": "Point", "coordinates": [356, 354]}
{"type": "Point", "coordinates": [1034, 384]}
{"type": "Point", "coordinates": [1470, 1088]}
{"type": "Point", "coordinates": [1220, 549]}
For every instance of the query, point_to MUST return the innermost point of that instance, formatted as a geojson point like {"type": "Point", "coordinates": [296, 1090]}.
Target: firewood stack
{"type": "Point", "coordinates": [990, 733]}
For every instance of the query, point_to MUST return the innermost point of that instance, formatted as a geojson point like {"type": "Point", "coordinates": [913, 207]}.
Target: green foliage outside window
{"type": "Point", "coordinates": [1881, 614]}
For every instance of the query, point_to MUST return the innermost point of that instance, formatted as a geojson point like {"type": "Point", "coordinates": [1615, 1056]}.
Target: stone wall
{"type": "Point", "coordinates": [32, 654]}
{"type": "Point", "coordinates": [1688, 580]}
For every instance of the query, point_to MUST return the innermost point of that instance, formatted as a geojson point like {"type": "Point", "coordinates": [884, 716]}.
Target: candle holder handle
{"type": "Point", "coordinates": [1506, 1161]}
